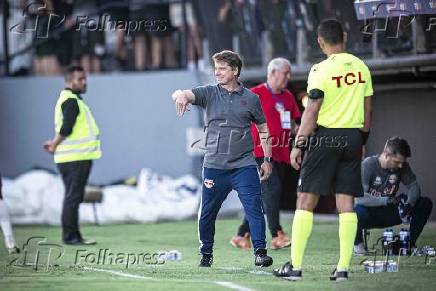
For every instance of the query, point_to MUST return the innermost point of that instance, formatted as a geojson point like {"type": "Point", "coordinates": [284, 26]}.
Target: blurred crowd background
{"type": "Point", "coordinates": [106, 36]}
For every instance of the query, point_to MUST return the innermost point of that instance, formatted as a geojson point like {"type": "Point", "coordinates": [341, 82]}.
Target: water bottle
{"type": "Point", "coordinates": [388, 236]}
{"type": "Point", "coordinates": [384, 241]}
{"type": "Point", "coordinates": [404, 242]}
{"type": "Point", "coordinates": [407, 239]}
{"type": "Point", "coordinates": [403, 247]}
{"type": "Point", "coordinates": [391, 235]}
{"type": "Point", "coordinates": [390, 240]}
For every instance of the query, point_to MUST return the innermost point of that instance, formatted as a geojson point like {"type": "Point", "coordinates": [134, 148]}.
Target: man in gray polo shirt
{"type": "Point", "coordinates": [229, 162]}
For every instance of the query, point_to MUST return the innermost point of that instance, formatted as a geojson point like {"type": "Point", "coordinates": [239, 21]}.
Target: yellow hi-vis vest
{"type": "Point", "coordinates": [83, 143]}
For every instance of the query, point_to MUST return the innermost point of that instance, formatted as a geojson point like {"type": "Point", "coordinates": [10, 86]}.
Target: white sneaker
{"type": "Point", "coordinates": [359, 250]}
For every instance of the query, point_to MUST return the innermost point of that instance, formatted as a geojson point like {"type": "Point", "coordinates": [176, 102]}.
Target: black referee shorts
{"type": "Point", "coordinates": [332, 163]}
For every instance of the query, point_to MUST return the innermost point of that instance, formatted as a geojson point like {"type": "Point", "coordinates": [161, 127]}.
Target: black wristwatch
{"type": "Point", "coordinates": [268, 159]}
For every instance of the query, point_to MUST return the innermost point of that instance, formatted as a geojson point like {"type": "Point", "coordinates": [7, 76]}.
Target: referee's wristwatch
{"type": "Point", "coordinates": [268, 159]}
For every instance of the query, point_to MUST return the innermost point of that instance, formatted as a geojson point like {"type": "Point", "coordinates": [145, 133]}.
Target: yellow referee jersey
{"type": "Point", "coordinates": [345, 81]}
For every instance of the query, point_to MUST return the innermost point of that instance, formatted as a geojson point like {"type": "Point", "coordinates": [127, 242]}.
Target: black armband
{"type": "Point", "coordinates": [316, 94]}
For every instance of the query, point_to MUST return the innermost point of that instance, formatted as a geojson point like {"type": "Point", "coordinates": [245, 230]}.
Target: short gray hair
{"type": "Point", "coordinates": [277, 63]}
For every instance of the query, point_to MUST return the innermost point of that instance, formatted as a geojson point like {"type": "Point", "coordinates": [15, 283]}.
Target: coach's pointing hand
{"type": "Point", "coordinates": [181, 105]}
{"type": "Point", "coordinates": [181, 101]}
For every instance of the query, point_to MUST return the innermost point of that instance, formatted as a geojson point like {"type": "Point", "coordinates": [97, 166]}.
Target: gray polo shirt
{"type": "Point", "coordinates": [228, 119]}
{"type": "Point", "coordinates": [379, 184]}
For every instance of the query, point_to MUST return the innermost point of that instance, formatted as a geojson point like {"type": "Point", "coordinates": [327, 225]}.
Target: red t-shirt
{"type": "Point", "coordinates": [279, 137]}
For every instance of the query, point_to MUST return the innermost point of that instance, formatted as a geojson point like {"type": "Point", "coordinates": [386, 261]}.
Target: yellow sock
{"type": "Point", "coordinates": [347, 234]}
{"type": "Point", "coordinates": [301, 229]}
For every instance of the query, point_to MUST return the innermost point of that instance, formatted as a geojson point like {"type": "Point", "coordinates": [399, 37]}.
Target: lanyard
{"type": "Point", "coordinates": [275, 97]}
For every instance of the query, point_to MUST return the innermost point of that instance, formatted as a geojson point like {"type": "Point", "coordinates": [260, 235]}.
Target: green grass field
{"type": "Point", "coordinates": [233, 268]}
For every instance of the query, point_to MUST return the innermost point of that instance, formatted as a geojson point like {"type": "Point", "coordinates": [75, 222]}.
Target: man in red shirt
{"type": "Point", "coordinates": [281, 111]}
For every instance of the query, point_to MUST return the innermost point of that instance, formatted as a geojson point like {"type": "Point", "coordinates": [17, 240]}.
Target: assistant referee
{"type": "Point", "coordinates": [333, 129]}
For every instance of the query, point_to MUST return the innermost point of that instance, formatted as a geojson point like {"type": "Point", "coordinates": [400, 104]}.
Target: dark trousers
{"type": "Point", "coordinates": [271, 194]}
{"type": "Point", "coordinates": [217, 184]}
{"type": "Point", "coordinates": [75, 176]}
{"type": "Point", "coordinates": [387, 216]}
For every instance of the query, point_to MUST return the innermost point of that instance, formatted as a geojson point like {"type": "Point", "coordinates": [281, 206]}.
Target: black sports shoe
{"type": "Point", "coordinates": [261, 259]}
{"type": "Point", "coordinates": [288, 273]}
{"type": "Point", "coordinates": [206, 261]}
{"type": "Point", "coordinates": [339, 276]}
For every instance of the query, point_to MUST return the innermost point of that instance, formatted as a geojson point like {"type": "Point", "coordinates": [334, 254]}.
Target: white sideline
{"type": "Point", "coordinates": [133, 276]}
{"type": "Point", "coordinates": [118, 273]}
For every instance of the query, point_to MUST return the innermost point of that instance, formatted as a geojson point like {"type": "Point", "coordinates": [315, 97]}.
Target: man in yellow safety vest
{"type": "Point", "coordinates": [74, 146]}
